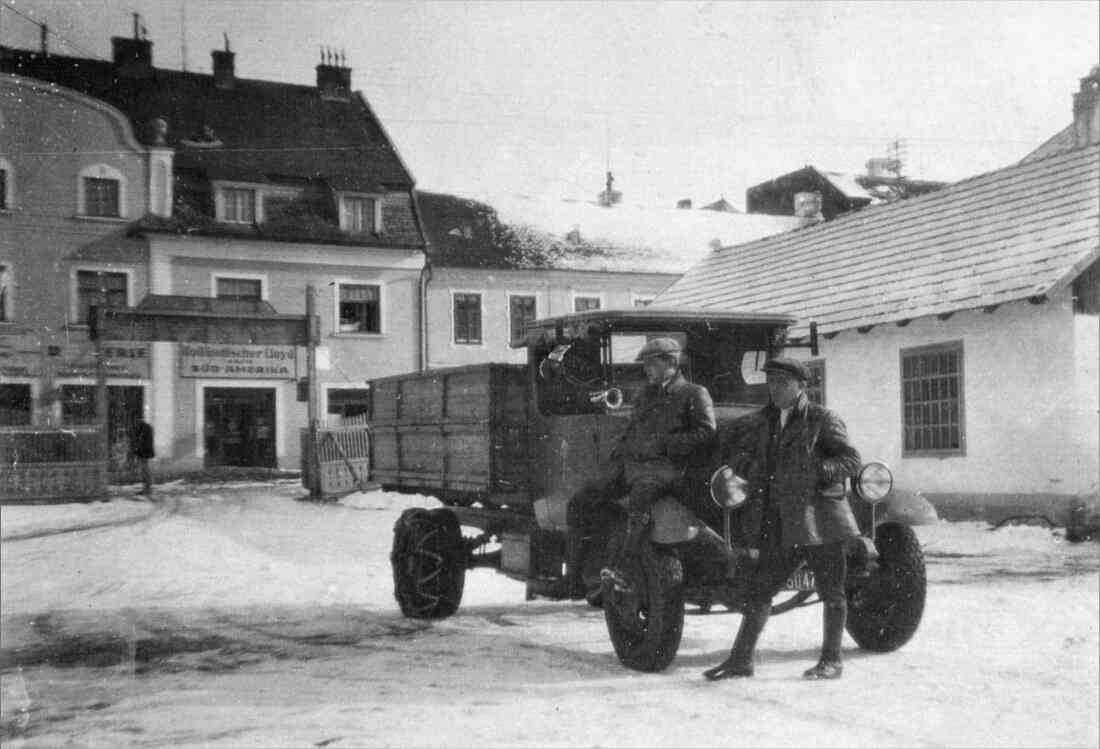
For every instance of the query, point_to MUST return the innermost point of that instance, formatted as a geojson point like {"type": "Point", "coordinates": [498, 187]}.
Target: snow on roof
{"type": "Point", "coordinates": [1016, 233]}
{"type": "Point", "coordinates": [635, 237]}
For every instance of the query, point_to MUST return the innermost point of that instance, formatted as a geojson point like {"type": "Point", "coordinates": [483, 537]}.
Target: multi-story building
{"type": "Point", "coordinates": [208, 195]}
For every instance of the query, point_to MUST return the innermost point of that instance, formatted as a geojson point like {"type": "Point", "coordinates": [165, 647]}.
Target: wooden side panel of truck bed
{"type": "Point", "coordinates": [462, 429]}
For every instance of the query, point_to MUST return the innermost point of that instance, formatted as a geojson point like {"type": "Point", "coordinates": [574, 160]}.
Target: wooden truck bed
{"type": "Point", "coordinates": [453, 432]}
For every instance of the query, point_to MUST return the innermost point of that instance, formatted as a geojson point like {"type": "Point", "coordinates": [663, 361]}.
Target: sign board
{"type": "Point", "coordinates": [233, 361]}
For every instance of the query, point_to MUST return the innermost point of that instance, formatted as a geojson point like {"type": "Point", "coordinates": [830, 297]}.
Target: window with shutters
{"type": "Point", "coordinates": [467, 318]}
{"type": "Point", "coordinates": [932, 400]}
{"type": "Point", "coordinates": [359, 308]}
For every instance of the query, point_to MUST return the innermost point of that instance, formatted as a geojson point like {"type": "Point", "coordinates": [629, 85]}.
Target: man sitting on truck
{"type": "Point", "coordinates": [667, 445]}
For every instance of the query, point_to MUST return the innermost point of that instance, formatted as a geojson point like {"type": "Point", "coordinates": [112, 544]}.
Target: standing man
{"type": "Point", "coordinates": [796, 458]}
{"type": "Point", "coordinates": [672, 432]}
{"type": "Point", "coordinates": [141, 447]}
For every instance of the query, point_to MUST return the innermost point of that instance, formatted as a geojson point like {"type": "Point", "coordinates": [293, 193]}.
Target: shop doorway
{"type": "Point", "coordinates": [240, 427]}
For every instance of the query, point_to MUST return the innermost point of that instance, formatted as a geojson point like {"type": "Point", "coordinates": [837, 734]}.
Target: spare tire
{"type": "Point", "coordinates": [429, 561]}
{"type": "Point", "coordinates": [885, 609]}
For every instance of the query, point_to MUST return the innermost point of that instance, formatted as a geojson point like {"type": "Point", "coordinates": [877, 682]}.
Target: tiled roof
{"type": "Point", "coordinates": [1008, 235]}
{"type": "Point", "coordinates": [268, 131]}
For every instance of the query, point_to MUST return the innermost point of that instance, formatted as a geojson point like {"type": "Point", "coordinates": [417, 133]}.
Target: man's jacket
{"type": "Point", "coordinates": [674, 422]}
{"type": "Point", "coordinates": [809, 461]}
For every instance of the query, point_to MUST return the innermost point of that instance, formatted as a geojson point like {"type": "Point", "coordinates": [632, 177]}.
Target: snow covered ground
{"type": "Point", "coordinates": [232, 615]}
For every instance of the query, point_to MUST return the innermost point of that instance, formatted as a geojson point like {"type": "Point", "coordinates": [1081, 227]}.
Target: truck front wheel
{"type": "Point", "coordinates": [645, 621]}
{"type": "Point", "coordinates": [885, 609]}
{"type": "Point", "coordinates": [429, 563]}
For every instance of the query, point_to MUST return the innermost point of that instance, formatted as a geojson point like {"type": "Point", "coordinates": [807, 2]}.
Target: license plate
{"type": "Point", "coordinates": [800, 579]}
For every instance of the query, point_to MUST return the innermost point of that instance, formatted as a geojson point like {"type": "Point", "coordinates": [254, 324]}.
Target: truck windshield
{"type": "Point", "coordinates": [727, 362]}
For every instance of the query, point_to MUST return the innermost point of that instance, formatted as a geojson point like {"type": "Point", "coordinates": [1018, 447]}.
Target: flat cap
{"type": "Point", "coordinates": [659, 347]}
{"type": "Point", "coordinates": [788, 366]}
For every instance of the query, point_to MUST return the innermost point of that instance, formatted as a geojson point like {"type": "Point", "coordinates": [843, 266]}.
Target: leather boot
{"type": "Point", "coordinates": [830, 666]}
{"type": "Point", "coordinates": [740, 662]}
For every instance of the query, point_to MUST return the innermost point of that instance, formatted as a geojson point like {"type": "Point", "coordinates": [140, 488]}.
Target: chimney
{"type": "Point", "coordinates": [333, 78]}
{"type": "Point", "coordinates": [1086, 110]}
{"type": "Point", "coordinates": [807, 208]}
{"type": "Point", "coordinates": [133, 57]}
{"type": "Point", "coordinates": [223, 66]}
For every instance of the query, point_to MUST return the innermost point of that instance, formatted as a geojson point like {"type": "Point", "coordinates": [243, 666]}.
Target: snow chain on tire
{"type": "Point", "coordinates": [429, 563]}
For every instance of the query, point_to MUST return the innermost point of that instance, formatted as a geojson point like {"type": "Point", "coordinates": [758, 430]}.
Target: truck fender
{"type": "Point", "coordinates": [672, 522]}
{"type": "Point", "coordinates": [907, 508]}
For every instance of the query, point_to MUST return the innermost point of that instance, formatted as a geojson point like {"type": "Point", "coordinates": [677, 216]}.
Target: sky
{"type": "Point", "coordinates": [679, 99]}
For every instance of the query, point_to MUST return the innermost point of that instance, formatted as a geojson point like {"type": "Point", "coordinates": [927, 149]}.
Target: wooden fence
{"type": "Point", "coordinates": [342, 459]}
{"type": "Point", "coordinates": [39, 464]}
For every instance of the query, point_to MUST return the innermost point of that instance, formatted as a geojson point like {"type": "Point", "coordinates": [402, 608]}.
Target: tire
{"type": "Point", "coordinates": [646, 624]}
{"type": "Point", "coordinates": [885, 610]}
{"type": "Point", "coordinates": [429, 563]}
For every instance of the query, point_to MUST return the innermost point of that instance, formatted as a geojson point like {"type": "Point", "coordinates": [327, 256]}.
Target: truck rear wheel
{"type": "Point", "coordinates": [645, 623]}
{"type": "Point", "coordinates": [429, 563]}
{"type": "Point", "coordinates": [885, 610]}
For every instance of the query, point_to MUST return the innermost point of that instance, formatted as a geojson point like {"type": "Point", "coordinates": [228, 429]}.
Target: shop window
{"type": "Point", "coordinates": [585, 303]}
{"type": "Point", "coordinates": [521, 310]}
{"type": "Point", "coordinates": [360, 308]}
{"type": "Point", "coordinates": [15, 405]}
{"type": "Point", "coordinates": [932, 400]}
{"type": "Point", "coordinates": [78, 405]}
{"type": "Point", "coordinates": [467, 318]}
{"type": "Point", "coordinates": [99, 288]}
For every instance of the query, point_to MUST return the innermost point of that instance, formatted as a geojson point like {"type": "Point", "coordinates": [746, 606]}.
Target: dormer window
{"type": "Point", "coordinates": [237, 205]}
{"type": "Point", "coordinates": [361, 214]}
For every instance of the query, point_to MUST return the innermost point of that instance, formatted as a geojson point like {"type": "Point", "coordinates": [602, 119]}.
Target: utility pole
{"type": "Point", "coordinates": [312, 334]}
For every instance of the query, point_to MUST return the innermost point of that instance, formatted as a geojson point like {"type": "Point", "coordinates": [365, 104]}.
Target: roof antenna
{"type": "Point", "coordinates": [183, 36]}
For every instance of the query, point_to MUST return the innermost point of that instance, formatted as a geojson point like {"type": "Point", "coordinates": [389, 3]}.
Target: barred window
{"type": "Point", "coordinates": [521, 310]}
{"type": "Point", "coordinates": [360, 308]}
{"type": "Point", "coordinates": [585, 303]}
{"type": "Point", "coordinates": [815, 388]}
{"type": "Point", "coordinates": [932, 403]}
{"type": "Point", "coordinates": [239, 288]}
{"type": "Point", "coordinates": [101, 197]}
{"type": "Point", "coordinates": [98, 288]}
{"type": "Point", "coordinates": [467, 317]}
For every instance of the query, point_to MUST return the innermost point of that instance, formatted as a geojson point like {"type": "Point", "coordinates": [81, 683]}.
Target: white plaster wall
{"type": "Point", "coordinates": [1030, 398]}
{"type": "Point", "coordinates": [553, 290]}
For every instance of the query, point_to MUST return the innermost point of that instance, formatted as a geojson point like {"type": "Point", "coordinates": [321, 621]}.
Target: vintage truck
{"type": "Point", "coordinates": [503, 447]}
